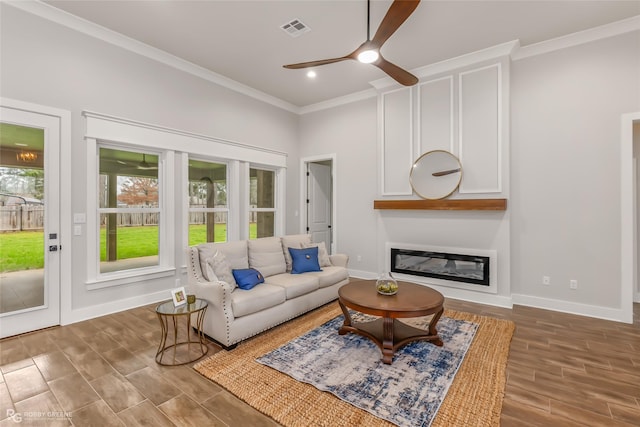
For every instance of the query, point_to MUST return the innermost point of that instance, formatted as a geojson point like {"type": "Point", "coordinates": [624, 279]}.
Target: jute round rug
{"type": "Point", "coordinates": [474, 398]}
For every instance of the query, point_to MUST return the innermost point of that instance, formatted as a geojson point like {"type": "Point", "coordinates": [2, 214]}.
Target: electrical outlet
{"type": "Point", "coordinates": [573, 284]}
{"type": "Point", "coordinates": [546, 280]}
{"type": "Point", "coordinates": [359, 258]}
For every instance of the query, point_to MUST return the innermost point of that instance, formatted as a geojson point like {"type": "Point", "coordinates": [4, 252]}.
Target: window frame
{"type": "Point", "coordinates": [278, 198]}
{"type": "Point", "coordinates": [175, 146]}
{"type": "Point", "coordinates": [230, 192]}
{"type": "Point", "coordinates": [97, 279]}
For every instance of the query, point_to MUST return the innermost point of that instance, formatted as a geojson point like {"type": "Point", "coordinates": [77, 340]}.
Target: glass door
{"type": "Point", "coordinates": [29, 221]}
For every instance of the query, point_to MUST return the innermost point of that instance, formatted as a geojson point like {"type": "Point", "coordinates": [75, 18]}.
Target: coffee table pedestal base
{"type": "Point", "coordinates": [390, 334]}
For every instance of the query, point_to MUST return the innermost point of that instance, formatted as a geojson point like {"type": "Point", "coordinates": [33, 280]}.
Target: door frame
{"type": "Point", "coordinates": [628, 218]}
{"type": "Point", "coordinates": [64, 231]}
{"type": "Point", "coordinates": [304, 195]}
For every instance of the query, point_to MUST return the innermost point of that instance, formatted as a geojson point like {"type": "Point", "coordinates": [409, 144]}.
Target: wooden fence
{"type": "Point", "coordinates": [29, 217]}
{"type": "Point", "coordinates": [21, 217]}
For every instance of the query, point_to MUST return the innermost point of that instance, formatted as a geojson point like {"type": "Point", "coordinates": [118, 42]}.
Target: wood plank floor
{"type": "Point", "coordinates": [563, 370]}
{"type": "Point", "coordinates": [568, 370]}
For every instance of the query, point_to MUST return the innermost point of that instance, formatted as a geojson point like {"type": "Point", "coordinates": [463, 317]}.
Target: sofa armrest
{"type": "Point", "coordinates": [339, 260]}
{"type": "Point", "coordinates": [217, 294]}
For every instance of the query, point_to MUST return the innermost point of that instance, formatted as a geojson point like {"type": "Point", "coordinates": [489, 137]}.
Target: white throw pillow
{"type": "Point", "coordinates": [323, 255]}
{"type": "Point", "coordinates": [208, 272]}
{"type": "Point", "coordinates": [221, 268]}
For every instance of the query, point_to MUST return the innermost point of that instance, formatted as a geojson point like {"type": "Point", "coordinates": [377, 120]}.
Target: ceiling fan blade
{"type": "Point", "coordinates": [398, 74]}
{"type": "Point", "coordinates": [398, 12]}
{"type": "Point", "coordinates": [316, 63]}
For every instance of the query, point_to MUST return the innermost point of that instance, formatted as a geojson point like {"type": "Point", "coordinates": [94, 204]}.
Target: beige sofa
{"type": "Point", "coordinates": [235, 314]}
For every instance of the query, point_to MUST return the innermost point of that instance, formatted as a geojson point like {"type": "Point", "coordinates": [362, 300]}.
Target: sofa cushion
{"type": "Point", "coordinates": [256, 299]}
{"type": "Point", "coordinates": [235, 252]}
{"type": "Point", "coordinates": [304, 260]}
{"type": "Point", "coordinates": [247, 278]}
{"type": "Point", "coordinates": [294, 284]}
{"type": "Point", "coordinates": [266, 256]}
{"type": "Point", "coordinates": [329, 275]}
{"type": "Point", "coordinates": [296, 241]}
{"type": "Point", "coordinates": [323, 255]}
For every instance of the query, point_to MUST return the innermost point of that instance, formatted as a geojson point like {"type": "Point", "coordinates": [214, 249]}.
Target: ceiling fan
{"type": "Point", "coordinates": [369, 51]}
{"type": "Point", "coordinates": [144, 166]}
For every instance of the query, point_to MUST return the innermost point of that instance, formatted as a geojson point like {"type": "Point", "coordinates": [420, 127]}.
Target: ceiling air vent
{"type": "Point", "coordinates": [295, 28]}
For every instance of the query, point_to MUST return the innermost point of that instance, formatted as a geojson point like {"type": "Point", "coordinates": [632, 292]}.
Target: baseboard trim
{"type": "Point", "coordinates": [606, 313]}
{"type": "Point", "coordinates": [477, 297]}
{"type": "Point", "coordinates": [91, 312]}
{"type": "Point", "coordinates": [361, 274]}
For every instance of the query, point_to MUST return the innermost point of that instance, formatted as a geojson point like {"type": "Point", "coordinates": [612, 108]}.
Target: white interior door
{"type": "Point", "coordinates": [30, 221]}
{"type": "Point", "coordinates": [319, 203]}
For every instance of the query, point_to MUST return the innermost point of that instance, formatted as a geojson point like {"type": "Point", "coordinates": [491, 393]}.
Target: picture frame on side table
{"type": "Point", "coordinates": [179, 296]}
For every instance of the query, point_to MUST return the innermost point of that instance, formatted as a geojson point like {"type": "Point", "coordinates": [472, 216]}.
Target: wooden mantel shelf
{"type": "Point", "coordinates": [444, 205]}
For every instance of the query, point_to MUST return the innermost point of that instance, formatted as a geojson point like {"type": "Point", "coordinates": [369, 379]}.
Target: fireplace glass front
{"type": "Point", "coordinates": [460, 268]}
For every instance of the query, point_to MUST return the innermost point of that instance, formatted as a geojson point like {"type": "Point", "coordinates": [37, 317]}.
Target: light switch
{"type": "Point", "coordinates": [79, 218]}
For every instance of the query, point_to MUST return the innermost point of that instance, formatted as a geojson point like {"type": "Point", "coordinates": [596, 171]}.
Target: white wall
{"type": "Point", "coordinates": [350, 132]}
{"type": "Point", "coordinates": [565, 158]}
{"type": "Point", "coordinates": [48, 64]}
{"type": "Point", "coordinates": [564, 202]}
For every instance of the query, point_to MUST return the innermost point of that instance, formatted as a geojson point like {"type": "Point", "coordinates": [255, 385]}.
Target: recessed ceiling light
{"type": "Point", "coordinates": [311, 74]}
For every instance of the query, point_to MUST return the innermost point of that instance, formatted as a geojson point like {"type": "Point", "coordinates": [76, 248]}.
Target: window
{"type": "Point", "coordinates": [208, 206]}
{"type": "Point", "coordinates": [262, 205]}
{"type": "Point", "coordinates": [175, 189]}
{"type": "Point", "coordinates": [129, 209]}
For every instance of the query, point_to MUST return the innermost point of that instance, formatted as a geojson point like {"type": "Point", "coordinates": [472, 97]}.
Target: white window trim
{"type": "Point", "coordinates": [166, 227]}
{"type": "Point", "coordinates": [129, 133]}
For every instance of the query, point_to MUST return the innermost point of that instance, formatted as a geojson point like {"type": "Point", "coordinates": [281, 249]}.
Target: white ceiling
{"type": "Point", "coordinates": [242, 40]}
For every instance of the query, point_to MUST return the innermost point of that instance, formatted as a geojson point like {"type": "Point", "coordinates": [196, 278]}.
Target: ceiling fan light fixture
{"type": "Point", "coordinates": [368, 56]}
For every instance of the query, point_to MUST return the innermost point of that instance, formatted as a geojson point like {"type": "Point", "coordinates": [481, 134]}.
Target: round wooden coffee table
{"type": "Point", "coordinates": [388, 333]}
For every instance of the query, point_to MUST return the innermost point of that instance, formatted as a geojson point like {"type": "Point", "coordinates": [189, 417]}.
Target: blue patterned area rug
{"type": "Point", "coordinates": [408, 392]}
{"type": "Point", "coordinates": [474, 399]}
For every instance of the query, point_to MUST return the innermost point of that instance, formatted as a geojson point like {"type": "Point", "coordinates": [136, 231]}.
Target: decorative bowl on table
{"type": "Point", "coordinates": [386, 285]}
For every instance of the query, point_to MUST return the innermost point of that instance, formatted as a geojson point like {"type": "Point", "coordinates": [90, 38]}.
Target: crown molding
{"type": "Point", "coordinates": [81, 25]}
{"type": "Point", "coordinates": [581, 37]}
{"type": "Point", "coordinates": [497, 51]}
{"type": "Point", "coordinates": [336, 102]}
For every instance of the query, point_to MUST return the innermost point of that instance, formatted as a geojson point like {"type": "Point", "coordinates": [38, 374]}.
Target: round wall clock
{"type": "Point", "coordinates": [435, 175]}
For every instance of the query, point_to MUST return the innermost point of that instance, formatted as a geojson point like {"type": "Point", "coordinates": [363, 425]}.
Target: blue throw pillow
{"type": "Point", "coordinates": [304, 260]}
{"type": "Point", "coordinates": [247, 278]}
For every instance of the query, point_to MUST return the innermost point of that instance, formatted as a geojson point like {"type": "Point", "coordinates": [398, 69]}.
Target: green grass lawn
{"type": "Point", "coordinates": [23, 250]}
{"type": "Point", "coordinates": [132, 242]}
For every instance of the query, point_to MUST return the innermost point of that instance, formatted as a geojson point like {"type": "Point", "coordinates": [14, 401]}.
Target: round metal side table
{"type": "Point", "coordinates": [169, 315]}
